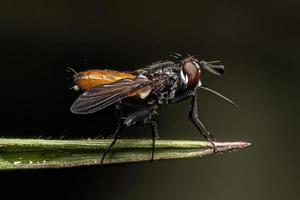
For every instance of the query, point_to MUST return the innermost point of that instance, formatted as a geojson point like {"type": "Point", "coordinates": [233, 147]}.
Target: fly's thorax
{"type": "Point", "coordinates": [190, 74]}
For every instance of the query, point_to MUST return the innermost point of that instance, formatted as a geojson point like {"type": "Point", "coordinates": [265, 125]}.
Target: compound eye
{"type": "Point", "coordinates": [192, 71]}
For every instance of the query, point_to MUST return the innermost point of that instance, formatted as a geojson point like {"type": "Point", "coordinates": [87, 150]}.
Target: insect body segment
{"type": "Point", "coordinates": [91, 78]}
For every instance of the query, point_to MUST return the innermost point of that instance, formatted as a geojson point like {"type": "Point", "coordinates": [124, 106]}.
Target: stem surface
{"type": "Point", "coordinates": [40, 153]}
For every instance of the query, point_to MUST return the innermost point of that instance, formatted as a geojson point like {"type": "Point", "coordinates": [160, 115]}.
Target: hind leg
{"type": "Point", "coordinates": [116, 134]}
{"type": "Point", "coordinates": [115, 138]}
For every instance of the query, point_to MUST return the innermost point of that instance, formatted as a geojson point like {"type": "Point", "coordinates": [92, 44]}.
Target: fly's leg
{"type": "Point", "coordinates": [115, 136]}
{"type": "Point", "coordinates": [194, 117]}
{"type": "Point", "coordinates": [145, 114]}
{"type": "Point", "coordinates": [187, 94]}
{"type": "Point", "coordinates": [193, 113]}
{"type": "Point", "coordinates": [155, 136]}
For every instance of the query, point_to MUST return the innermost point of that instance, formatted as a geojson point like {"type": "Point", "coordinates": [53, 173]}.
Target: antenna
{"type": "Point", "coordinates": [220, 95]}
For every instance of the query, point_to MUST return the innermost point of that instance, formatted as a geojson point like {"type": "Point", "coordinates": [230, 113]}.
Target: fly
{"type": "Point", "coordinates": [137, 95]}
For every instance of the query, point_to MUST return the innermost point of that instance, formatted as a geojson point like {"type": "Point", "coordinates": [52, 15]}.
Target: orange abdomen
{"type": "Point", "coordinates": [91, 78]}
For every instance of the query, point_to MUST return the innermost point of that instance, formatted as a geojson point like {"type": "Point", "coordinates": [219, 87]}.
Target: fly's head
{"type": "Point", "coordinates": [190, 72]}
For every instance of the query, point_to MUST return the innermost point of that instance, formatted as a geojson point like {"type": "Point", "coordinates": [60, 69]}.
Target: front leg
{"type": "Point", "coordinates": [193, 115]}
{"type": "Point", "coordinates": [185, 95]}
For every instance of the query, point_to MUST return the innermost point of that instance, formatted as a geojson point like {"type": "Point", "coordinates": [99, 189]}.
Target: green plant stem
{"type": "Point", "coordinates": [39, 153]}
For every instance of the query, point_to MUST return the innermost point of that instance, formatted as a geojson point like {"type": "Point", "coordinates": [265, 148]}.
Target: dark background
{"type": "Point", "coordinates": [258, 41]}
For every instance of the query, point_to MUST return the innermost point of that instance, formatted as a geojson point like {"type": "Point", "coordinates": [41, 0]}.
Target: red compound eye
{"type": "Point", "coordinates": [193, 73]}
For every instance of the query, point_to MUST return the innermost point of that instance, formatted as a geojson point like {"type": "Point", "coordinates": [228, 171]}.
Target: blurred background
{"type": "Point", "coordinates": [257, 41]}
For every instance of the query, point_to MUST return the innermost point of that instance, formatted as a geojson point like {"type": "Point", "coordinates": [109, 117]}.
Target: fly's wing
{"type": "Point", "coordinates": [103, 96]}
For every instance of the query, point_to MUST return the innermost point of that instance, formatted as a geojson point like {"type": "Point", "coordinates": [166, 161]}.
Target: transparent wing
{"type": "Point", "coordinates": [103, 96]}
